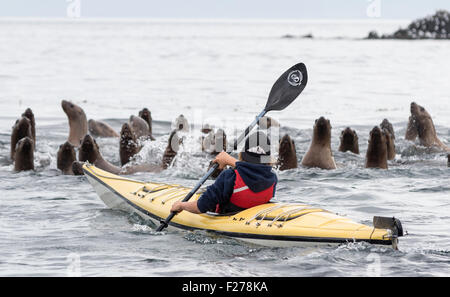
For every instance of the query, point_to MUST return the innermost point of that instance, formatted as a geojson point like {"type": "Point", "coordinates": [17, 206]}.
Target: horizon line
{"type": "Point", "coordinates": [200, 19]}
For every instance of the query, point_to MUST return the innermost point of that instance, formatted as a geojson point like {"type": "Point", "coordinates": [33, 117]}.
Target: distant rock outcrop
{"type": "Point", "coordinates": [373, 35]}
{"type": "Point", "coordinates": [306, 36]}
{"type": "Point", "coordinates": [436, 26]}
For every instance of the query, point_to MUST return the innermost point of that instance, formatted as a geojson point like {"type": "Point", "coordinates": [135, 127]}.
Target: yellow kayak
{"type": "Point", "coordinates": [271, 224]}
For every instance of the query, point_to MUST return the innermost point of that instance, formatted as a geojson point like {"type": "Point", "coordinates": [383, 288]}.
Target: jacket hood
{"type": "Point", "coordinates": [257, 177]}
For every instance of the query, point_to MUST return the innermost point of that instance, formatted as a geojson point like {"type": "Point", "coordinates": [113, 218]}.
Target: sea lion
{"type": "Point", "coordinates": [128, 144]}
{"type": "Point", "coordinates": [388, 130]}
{"type": "Point", "coordinates": [65, 157]}
{"type": "Point", "coordinates": [101, 129]}
{"type": "Point", "coordinates": [77, 168]}
{"type": "Point", "coordinates": [139, 127]}
{"type": "Point", "coordinates": [287, 156]}
{"type": "Point", "coordinates": [77, 122]}
{"type": "Point", "coordinates": [89, 151]}
{"type": "Point", "coordinates": [349, 141]}
{"type": "Point", "coordinates": [181, 124]}
{"type": "Point", "coordinates": [385, 124]}
{"type": "Point", "coordinates": [147, 116]}
{"type": "Point", "coordinates": [267, 122]}
{"type": "Point", "coordinates": [24, 154]}
{"type": "Point", "coordinates": [377, 155]}
{"type": "Point", "coordinates": [423, 123]}
{"type": "Point", "coordinates": [390, 144]}
{"type": "Point", "coordinates": [30, 115]}
{"type": "Point", "coordinates": [319, 153]}
{"type": "Point", "coordinates": [171, 149]}
{"type": "Point", "coordinates": [21, 129]}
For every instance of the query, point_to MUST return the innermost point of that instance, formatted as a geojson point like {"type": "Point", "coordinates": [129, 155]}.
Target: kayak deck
{"type": "Point", "coordinates": [278, 224]}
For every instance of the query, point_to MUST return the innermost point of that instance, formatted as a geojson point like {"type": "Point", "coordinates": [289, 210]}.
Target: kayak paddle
{"type": "Point", "coordinates": [284, 91]}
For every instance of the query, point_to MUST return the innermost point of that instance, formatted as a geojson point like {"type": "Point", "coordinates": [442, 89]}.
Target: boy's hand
{"type": "Point", "coordinates": [190, 206]}
{"type": "Point", "coordinates": [224, 159]}
{"type": "Point", "coordinates": [177, 207]}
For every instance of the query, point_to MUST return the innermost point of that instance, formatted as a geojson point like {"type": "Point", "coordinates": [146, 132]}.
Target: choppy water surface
{"type": "Point", "coordinates": [222, 71]}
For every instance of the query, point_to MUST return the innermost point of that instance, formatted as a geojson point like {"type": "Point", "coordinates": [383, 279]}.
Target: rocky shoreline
{"type": "Point", "coordinates": [436, 26]}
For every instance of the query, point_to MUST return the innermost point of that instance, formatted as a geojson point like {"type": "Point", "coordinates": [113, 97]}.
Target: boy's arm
{"type": "Point", "coordinates": [190, 206]}
{"type": "Point", "coordinates": [217, 193]}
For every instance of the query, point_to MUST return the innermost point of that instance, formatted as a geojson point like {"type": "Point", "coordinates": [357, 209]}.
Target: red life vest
{"type": "Point", "coordinates": [243, 197]}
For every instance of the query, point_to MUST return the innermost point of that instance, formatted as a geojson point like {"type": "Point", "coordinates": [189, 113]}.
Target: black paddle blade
{"type": "Point", "coordinates": [287, 87]}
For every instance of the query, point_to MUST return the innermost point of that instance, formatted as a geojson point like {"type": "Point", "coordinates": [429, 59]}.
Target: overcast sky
{"type": "Point", "coordinates": [252, 9]}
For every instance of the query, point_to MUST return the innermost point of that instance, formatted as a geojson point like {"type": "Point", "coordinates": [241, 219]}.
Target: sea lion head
{"type": "Point", "coordinates": [349, 141]}
{"type": "Point", "coordinates": [24, 154]}
{"type": "Point", "coordinates": [101, 129]}
{"type": "Point", "coordinates": [66, 156]}
{"type": "Point", "coordinates": [23, 127]}
{"type": "Point", "coordinates": [377, 137]}
{"type": "Point", "coordinates": [126, 133]}
{"type": "Point", "coordinates": [424, 124]}
{"type": "Point", "coordinates": [385, 124]}
{"type": "Point", "coordinates": [89, 150]}
{"type": "Point", "coordinates": [146, 115]}
{"type": "Point", "coordinates": [287, 155]}
{"type": "Point", "coordinates": [72, 110]}
{"type": "Point", "coordinates": [29, 115]}
{"type": "Point", "coordinates": [25, 144]}
{"type": "Point", "coordinates": [419, 111]}
{"type": "Point", "coordinates": [322, 130]}
{"type": "Point", "coordinates": [286, 145]}
{"type": "Point", "coordinates": [128, 144]}
{"type": "Point", "coordinates": [77, 121]}
{"type": "Point", "coordinates": [77, 168]}
{"type": "Point", "coordinates": [376, 155]}
{"type": "Point", "coordinates": [181, 123]}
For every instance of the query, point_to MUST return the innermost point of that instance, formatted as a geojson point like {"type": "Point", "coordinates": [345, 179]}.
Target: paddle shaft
{"type": "Point", "coordinates": [238, 140]}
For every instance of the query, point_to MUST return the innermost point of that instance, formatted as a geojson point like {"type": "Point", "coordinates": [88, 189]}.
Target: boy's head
{"type": "Point", "coordinates": [256, 149]}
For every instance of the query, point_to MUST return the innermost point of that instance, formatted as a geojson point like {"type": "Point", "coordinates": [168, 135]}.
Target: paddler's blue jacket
{"type": "Point", "coordinates": [257, 177]}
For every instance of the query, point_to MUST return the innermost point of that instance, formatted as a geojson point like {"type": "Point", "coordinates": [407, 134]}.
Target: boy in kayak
{"type": "Point", "coordinates": [250, 181]}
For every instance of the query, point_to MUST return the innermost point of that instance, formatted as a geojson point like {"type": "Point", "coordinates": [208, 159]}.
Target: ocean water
{"type": "Point", "coordinates": [219, 72]}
